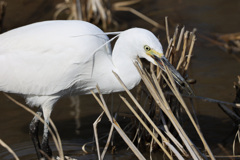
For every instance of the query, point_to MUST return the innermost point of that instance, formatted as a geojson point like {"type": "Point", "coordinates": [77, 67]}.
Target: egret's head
{"type": "Point", "coordinates": [146, 45]}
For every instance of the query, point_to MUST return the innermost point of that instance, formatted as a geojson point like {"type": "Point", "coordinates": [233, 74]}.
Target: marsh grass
{"type": "Point", "coordinates": [99, 12]}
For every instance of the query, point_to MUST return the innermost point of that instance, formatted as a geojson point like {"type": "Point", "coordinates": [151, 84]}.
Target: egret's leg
{"type": "Point", "coordinates": [33, 131]}
{"type": "Point", "coordinates": [45, 146]}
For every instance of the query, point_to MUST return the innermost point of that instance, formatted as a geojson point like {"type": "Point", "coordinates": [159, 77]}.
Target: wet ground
{"type": "Point", "coordinates": [214, 70]}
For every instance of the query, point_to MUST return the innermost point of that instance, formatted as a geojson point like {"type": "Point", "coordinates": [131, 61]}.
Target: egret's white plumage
{"type": "Point", "coordinates": [55, 58]}
{"type": "Point", "coordinates": [47, 60]}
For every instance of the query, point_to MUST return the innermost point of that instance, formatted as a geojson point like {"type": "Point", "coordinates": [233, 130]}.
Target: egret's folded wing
{"type": "Point", "coordinates": [48, 58]}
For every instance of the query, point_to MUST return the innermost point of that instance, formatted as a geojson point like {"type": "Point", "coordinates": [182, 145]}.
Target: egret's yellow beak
{"type": "Point", "coordinates": [162, 61]}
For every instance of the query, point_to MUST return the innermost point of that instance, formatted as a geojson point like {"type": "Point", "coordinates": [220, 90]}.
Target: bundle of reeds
{"type": "Point", "coordinates": [156, 118]}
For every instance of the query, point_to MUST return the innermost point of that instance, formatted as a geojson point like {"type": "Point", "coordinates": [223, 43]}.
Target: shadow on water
{"type": "Point", "coordinates": [214, 70]}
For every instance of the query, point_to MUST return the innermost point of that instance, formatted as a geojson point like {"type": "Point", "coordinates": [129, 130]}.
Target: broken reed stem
{"type": "Point", "coordinates": [190, 52]}
{"type": "Point", "coordinates": [56, 139]}
{"type": "Point", "coordinates": [183, 50]}
{"type": "Point", "coordinates": [9, 149]}
{"type": "Point", "coordinates": [169, 49]}
{"type": "Point", "coordinates": [167, 30]}
{"type": "Point", "coordinates": [175, 35]}
{"type": "Point", "coordinates": [180, 39]}
{"type": "Point", "coordinates": [191, 36]}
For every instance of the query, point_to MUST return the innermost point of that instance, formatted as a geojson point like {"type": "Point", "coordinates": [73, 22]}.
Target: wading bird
{"type": "Point", "coordinates": [48, 60]}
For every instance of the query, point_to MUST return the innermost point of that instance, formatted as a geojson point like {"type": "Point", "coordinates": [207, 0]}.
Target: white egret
{"type": "Point", "coordinates": [48, 60]}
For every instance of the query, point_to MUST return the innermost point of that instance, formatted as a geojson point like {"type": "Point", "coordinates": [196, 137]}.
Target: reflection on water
{"type": "Point", "coordinates": [214, 70]}
{"type": "Point", "coordinates": [75, 104]}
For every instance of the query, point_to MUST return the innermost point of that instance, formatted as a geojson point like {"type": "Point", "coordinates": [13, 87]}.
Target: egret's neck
{"type": "Point", "coordinates": [125, 67]}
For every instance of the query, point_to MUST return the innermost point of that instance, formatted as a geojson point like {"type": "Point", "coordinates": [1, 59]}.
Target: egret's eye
{"type": "Point", "coordinates": [147, 48]}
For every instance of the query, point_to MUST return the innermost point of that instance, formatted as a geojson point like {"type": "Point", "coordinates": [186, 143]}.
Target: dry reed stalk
{"type": "Point", "coordinates": [236, 138]}
{"type": "Point", "coordinates": [9, 149]}
{"type": "Point", "coordinates": [122, 6]}
{"type": "Point", "coordinates": [56, 138]}
{"type": "Point", "coordinates": [84, 147]}
{"type": "Point", "coordinates": [98, 120]}
{"type": "Point", "coordinates": [108, 142]}
{"type": "Point", "coordinates": [96, 134]}
{"type": "Point", "coordinates": [117, 126]}
{"type": "Point", "coordinates": [173, 139]}
{"type": "Point", "coordinates": [178, 155]}
{"type": "Point", "coordinates": [147, 128]}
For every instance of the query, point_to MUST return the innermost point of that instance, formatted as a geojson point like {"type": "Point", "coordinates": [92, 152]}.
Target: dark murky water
{"type": "Point", "coordinates": [214, 70]}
